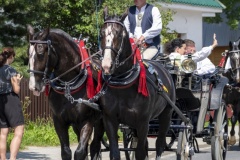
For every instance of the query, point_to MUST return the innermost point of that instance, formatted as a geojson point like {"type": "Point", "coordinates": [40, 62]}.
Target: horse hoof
{"type": "Point", "coordinates": [231, 142]}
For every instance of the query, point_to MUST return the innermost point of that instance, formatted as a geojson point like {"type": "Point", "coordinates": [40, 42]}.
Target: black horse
{"type": "Point", "coordinates": [232, 90]}
{"type": "Point", "coordinates": [133, 95]}
{"type": "Point", "coordinates": [56, 60]}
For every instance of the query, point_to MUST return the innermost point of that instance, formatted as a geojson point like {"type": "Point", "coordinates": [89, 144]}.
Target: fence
{"type": "Point", "coordinates": [38, 107]}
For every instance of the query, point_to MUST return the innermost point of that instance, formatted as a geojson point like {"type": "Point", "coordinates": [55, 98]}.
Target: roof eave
{"type": "Point", "coordinates": [191, 7]}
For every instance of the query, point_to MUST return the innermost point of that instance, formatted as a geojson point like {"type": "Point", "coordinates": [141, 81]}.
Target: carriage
{"type": "Point", "coordinates": [200, 100]}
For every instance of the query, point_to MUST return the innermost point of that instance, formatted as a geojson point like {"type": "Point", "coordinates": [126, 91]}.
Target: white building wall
{"type": "Point", "coordinates": [189, 25]}
{"type": "Point", "coordinates": [188, 21]}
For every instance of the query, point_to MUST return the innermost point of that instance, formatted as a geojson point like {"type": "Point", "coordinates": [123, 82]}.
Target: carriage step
{"type": "Point", "coordinates": [181, 127]}
{"type": "Point", "coordinates": [133, 149]}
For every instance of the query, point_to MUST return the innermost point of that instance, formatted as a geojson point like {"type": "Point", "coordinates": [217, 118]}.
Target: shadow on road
{"type": "Point", "coordinates": [234, 148]}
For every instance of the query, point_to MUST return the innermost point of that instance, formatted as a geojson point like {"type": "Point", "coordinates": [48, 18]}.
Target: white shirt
{"type": "Point", "coordinates": [204, 65]}
{"type": "Point", "coordinates": [151, 32]}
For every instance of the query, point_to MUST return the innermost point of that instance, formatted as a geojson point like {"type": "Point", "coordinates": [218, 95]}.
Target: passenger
{"type": "Point", "coordinates": [204, 66]}
{"type": "Point", "coordinates": [11, 114]}
{"type": "Point", "coordinates": [144, 25]}
{"type": "Point", "coordinates": [178, 49]}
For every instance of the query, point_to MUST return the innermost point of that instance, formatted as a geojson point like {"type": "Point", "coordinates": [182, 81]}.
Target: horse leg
{"type": "Point", "coordinates": [164, 120]}
{"type": "Point", "coordinates": [95, 146]}
{"type": "Point", "coordinates": [62, 132]}
{"type": "Point", "coordinates": [111, 126]}
{"type": "Point", "coordinates": [232, 139]}
{"type": "Point", "coordinates": [141, 152]}
{"type": "Point", "coordinates": [85, 134]}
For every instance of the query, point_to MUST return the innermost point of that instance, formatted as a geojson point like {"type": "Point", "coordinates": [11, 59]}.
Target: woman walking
{"type": "Point", "coordinates": [11, 115]}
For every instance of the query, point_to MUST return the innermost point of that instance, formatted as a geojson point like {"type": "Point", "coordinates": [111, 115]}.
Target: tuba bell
{"type": "Point", "coordinates": [188, 65]}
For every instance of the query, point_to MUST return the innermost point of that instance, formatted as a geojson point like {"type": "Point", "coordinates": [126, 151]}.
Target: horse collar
{"type": "Point", "coordinates": [124, 80]}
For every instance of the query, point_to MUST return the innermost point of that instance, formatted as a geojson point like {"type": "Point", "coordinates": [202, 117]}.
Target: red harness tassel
{"type": "Point", "coordinates": [222, 62]}
{"type": "Point", "coordinates": [89, 84]}
{"type": "Point", "coordinates": [142, 87]}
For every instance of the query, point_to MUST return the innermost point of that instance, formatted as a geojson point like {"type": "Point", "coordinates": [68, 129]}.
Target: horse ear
{"type": "Point", "coordinates": [30, 31]}
{"type": "Point", "coordinates": [105, 13]}
{"type": "Point", "coordinates": [124, 15]}
{"type": "Point", "coordinates": [45, 33]}
{"type": "Point", "coordinates": [237, 42]}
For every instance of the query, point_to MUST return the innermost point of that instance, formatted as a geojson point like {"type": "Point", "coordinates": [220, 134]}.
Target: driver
{"type": "Point", "coordinates": [144, 25]}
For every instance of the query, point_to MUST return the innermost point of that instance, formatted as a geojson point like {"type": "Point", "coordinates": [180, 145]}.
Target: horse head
{"type": "Point", "coordinates": [234, 57]}
{"type": "Point", "coordinates": [115, 44]}
{"type": "Point", "coordinates": [47, 48]}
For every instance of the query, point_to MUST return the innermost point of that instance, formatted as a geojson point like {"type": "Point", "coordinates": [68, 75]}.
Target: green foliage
{"type": "Point", "coordinates": [74, 17]}
{"type": "Point", "coordinates": [41, 133]}
{"type": "Point", "coordinates": [232, 13]}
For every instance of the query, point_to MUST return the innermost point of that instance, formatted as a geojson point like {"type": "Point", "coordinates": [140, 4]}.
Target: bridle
{"type": "Point", "coordinates": [117, 64]}
{"type": "Point", "coordinates": [45, 75]}
{"type": "Point", "coordinates": [47, 78]}
{"type": "Point", "coordinates": [236, 60]}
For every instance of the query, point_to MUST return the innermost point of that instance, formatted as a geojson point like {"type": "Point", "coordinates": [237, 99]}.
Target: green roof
{"type": "Point", "coordinates": [201, 3]}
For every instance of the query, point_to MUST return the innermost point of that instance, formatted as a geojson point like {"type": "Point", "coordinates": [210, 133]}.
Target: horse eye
{"type": "Point", "coordinates": [40, 49]}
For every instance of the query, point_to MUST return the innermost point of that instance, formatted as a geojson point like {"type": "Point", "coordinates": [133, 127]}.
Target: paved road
{"type": "Point", "coordinates": [54, 153]}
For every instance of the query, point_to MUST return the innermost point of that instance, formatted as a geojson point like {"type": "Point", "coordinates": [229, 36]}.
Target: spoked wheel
{"type": "Point", "coordinates": [129, 142]}
{"type": "Point", "coordinates": [219, 139]}
{"type": "Point", "coordinates": [184, 147]}
{"type": "Point", "coordinates": [195, 145]}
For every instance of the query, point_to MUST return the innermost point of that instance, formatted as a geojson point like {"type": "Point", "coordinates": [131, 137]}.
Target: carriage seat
{"type": "Point", "coordinates": [188, 100]}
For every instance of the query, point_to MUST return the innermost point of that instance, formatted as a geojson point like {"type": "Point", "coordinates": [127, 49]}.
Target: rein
{"type": "Point", "coordinates": [58, 77]}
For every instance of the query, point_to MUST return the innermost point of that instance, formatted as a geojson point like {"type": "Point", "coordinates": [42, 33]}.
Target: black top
{"type": "Point", "coordinates": [6, 72]}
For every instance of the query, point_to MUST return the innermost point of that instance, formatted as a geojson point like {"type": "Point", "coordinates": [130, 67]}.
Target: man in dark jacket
{"type": "Point", "coordinates": [144, 24]}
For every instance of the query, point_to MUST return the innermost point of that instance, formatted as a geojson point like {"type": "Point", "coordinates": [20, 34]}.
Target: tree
{"type": "Point", "coordinates": [73, 16]}
{"type": "Point", "coordinates": [232, 12]}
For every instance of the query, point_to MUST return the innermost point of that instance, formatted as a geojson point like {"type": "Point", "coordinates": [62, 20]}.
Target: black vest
{"type": "Point", "coordinates": [146, 23]}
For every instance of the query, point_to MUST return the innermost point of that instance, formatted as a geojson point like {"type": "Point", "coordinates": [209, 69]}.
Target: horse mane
{"type": "Point", "coordinates": [59, 32]}
{"type": "Point", "coordinates": [64, 34]}
{"type": "Point", "coordinates": [113, 18]}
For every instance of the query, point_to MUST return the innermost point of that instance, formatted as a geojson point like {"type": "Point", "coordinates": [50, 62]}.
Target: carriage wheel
{"type": "Point", "coordinates": [129, 142]}
{"type": "Point", "coordinates": [183, 147]}
{"type": "Point", "coordinates": [195, 145]}
{"type": "Point", "coordinates": [219, 139]}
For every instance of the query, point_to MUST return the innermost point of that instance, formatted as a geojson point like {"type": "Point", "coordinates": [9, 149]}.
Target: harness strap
{"type": "Point", "coordinates": [160, 86]}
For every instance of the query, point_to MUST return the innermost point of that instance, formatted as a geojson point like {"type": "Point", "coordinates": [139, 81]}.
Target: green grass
{"type": "Point", "coordinates": [41, 133]}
